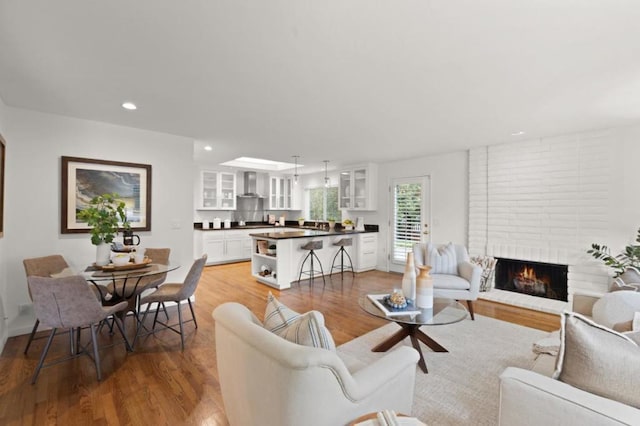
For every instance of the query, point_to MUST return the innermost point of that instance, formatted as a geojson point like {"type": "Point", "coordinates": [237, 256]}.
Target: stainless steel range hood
{"type": "Point", "coordinates": [250, 185]}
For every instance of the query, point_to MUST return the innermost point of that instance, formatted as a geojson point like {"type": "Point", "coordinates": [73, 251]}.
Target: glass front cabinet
{"type": "Point", "coordinates": [218, 190]}
{"type": "Point", "coordinates": [358, 188]}
{"type": "Point", "coordinates": [282, 193]}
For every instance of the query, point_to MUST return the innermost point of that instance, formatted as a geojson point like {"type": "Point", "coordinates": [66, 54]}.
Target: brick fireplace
{"type": "Point", "coordinates": [542, 201]}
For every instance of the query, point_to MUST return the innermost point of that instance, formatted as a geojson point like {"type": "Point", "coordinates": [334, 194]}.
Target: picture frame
{"type": "Point", "coordinates": [2, 167]}
{"type": "Point", "coordinates": [85, 178]}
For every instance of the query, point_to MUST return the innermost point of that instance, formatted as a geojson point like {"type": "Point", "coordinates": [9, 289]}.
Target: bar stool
{"type": "Point", "coordinates": [342, 243]}
{"type": "Point", "coordinates": [311, 246]}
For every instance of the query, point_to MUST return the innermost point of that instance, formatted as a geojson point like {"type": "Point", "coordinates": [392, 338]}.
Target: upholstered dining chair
{"type": "Point", "coordinates": [454, 276]}
{"type": "Point", "coordinates": [133, 292]}
{"type": "Point", "coordinates": [68, 302]}
{"type": "Point", "coordinates": [42, 267]}
{"type": "Point", "coordinates": [176, 293]}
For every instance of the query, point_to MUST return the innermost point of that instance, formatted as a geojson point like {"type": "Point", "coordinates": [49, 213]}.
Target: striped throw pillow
{"type": "Point", "coordinates": [442, 259]}
{"type": "Point", "coordinates": [304, 329]}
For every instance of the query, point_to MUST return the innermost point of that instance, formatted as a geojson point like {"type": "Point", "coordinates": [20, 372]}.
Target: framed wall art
{"type": "Point", "coordinates": [2, 156]}
{"type": "Point", "coordinates": [84, 178]}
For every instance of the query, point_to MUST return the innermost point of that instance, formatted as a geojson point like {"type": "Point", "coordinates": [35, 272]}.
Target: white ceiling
{"type": "Point", "coordinates": [347, 81]}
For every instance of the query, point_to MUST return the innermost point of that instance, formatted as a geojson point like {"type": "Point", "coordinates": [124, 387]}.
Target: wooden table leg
{"type": "Point", "coordinates": [412, 331]}
{"type": "Point", "coordinates": [435, 346]}
{"type": "Point", "coordinates": [390, 342]}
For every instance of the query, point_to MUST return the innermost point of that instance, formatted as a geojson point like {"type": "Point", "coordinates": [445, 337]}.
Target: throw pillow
{"type": "Point", "coordinates": [598, 360]}
{"type": "Point", "coordinates": [442, 259]}
{"type": "Point", "coordinates": [304, 329]}
{"type": "Point", "coordinates": [616, 310]}
{"type": "Point", "coordinates": [276, 315]}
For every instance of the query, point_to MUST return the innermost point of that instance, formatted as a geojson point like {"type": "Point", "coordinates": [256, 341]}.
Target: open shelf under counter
{"type": "Point", "coordinates": [270, 281]}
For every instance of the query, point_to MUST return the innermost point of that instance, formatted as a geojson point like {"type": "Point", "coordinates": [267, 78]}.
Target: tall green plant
{"type": "Point", "coordinates": [621, 261]}
{"type": "Point", "coordinates": [103, 215]}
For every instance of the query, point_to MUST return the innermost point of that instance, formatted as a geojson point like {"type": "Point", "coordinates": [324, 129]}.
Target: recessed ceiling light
{"type": "Point", "coordinates": [129, 105]}
{"type": "Point", "coordinates": [208, 148]}
{"type": "Point", "coordinates": [519, 133]}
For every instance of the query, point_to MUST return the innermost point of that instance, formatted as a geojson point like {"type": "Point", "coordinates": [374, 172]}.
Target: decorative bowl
{"type": "Point", "coordinates": [121, 259]}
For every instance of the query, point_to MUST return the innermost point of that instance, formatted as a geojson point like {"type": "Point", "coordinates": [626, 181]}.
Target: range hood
{"type": "Point", "coordinates": [250, 185]}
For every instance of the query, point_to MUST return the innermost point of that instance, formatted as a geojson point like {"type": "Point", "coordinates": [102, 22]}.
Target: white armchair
{"type": "Point", "coordinates": [463, 285]}
{"type": "Point", "coordinates": [266, 379]}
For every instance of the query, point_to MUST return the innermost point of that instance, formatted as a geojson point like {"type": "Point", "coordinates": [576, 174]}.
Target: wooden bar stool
{"type": "Point", "coordinates": [342, 243]}
{"type": "Point", "coordinates": [311, 246]}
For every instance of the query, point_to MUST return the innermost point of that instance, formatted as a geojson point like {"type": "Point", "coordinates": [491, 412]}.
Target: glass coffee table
{"type": "Point", "coordinates": [444, 311]}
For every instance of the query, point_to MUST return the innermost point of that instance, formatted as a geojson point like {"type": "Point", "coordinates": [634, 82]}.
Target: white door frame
{"type": "Point", "coordinates": [425, 214]}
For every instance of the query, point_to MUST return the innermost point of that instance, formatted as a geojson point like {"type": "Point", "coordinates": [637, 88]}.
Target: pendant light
{"type": "Point", "coordinates": [326, 177]}
{"type": "Point", "coordinates": [295, 175]}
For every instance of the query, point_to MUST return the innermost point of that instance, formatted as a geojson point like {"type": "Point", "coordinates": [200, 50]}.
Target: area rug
{"type": "Point", "coordinates": [463, 385]}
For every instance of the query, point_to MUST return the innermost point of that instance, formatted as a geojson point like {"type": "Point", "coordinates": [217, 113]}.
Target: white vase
{"type": "Point", "coordinates": [424, 288]}
{"type": "Point", "coordinates": [409, 278]}
{"type": "Point", "coordinates": [103, 254]}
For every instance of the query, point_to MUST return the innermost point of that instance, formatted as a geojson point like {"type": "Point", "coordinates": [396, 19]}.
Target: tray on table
{"type": "Point", "coordinates": [126, 267]}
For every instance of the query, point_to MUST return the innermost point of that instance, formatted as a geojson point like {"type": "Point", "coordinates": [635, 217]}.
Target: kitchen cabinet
{"type": "Point", "coordinates": [223, 246]}
{"type": "Point", "coordinates": [218, 190]}
{"type": "Point", "coordinates": [367, 251]}
{"type": "Point", "coordinates": [283, 193]}
{"type": "Point", "coordinates": [358, 187]}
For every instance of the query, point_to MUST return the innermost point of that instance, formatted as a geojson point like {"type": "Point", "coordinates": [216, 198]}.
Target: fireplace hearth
{"type": "Point", "coordinates": [532, 278]}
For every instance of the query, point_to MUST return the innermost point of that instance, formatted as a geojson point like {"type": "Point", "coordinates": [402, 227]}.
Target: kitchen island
{"type": "Point", "coordinates": [279, 254]}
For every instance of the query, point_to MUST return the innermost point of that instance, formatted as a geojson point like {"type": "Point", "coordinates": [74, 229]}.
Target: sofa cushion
{"type": "Point", "coordinates": [304, 329]}
{"type": "Point", "coordinates": [276, 315]}
{"type": "Point", "coordinates": [616, 310]}
{"type": "Point", "coordinates": [598, 360]}
{"type": "Point", "coordinates": [442, 259]}
{"type": "Point", "coordinates": [450, 282]}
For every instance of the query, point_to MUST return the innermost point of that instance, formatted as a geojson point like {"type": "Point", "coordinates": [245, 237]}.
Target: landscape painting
{"type": "Point", "coordinates": [84, 179]}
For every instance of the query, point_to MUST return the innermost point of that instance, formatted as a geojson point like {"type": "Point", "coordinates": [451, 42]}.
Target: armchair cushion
{"type": "Point", "coordinates": [442, 259]}
{"type": "Point", "coordinates": [452, 282]}
{"type": "Point", "coordinates": [304, 329]}
{"type": "Point", "coordinates": [598, 360]}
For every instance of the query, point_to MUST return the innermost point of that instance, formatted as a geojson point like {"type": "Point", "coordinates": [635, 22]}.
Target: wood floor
{"type": "Point", "coordinates": [157, 383]}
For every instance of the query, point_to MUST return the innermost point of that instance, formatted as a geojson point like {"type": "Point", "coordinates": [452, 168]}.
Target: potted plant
{"type": "Point", "coordinates": [104, 214]}
{"type": "Point", "coordinates": [332, 222]}
{"type": "Point", "coordinates": [629, 258]}
{"type": "Point", "coordinates": [301, 221]}
{"type": "Point", "coordinates": [348, 224]}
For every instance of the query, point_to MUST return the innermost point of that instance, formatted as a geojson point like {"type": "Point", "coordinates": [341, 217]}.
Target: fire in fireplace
{"type": "Point", "coordinates": [532, 278]}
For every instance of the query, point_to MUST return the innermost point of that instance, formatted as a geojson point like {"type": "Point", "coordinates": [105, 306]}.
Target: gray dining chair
{"type": "Point", "coordinates": [132, 291]}
{"type": "Point", "coordinates": [68, 302]}
{"type": "Point", "coordinates": [176, 293]}
{"type": "Point", "coordinates": [43, 266]}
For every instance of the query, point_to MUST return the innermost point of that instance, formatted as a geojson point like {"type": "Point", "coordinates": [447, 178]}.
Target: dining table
{"type": "Point", "coordinates": [129, 275]}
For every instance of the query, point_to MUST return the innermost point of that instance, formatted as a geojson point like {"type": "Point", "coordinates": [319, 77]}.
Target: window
{"type": "Point", "coordinates": [323, 204]}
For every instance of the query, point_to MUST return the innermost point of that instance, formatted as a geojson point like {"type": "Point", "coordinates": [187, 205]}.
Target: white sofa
{"type": "Point", "coordinates": [267, 380]}
{"type": "Point", "coordinates": [529, 398]}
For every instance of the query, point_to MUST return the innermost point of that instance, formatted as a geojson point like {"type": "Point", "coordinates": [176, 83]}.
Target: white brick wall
{"type": "Point", "coordinates": [544, 200]}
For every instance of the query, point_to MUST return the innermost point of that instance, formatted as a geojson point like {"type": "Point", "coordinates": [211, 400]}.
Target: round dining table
{"type": "Point", "coordinates": [130, 278]}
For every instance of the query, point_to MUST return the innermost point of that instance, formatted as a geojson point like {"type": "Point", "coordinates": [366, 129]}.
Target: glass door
{"type": "Point", "coordinates": [409, 218]}
{"type": "Point", "coordinates": [345, 190]}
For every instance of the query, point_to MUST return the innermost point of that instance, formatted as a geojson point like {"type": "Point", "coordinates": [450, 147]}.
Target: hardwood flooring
{"type": "Point", "coordinates": [157, 383]}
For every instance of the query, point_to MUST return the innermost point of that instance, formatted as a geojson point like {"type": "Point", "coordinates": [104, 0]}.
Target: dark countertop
{"type": "Point", "coordinates": [293, 224]}
{"type": "Point", "coordinates": [305, 233]}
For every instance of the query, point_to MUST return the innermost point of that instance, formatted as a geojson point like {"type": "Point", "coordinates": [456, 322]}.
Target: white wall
{"type": "Point", "coordinates": [3, 264]}
{"type": "Point", "coordinates": [33, 193]}
{"type": "Point", "coordinates": [548, 199]}
{"type": "Point", "coordinates": [448, 200]}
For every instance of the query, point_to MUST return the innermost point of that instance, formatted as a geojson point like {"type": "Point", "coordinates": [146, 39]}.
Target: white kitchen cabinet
{"type": "Point", "coordinates": [224, 246]}
{"type": "Point", "coordinates": [283, 193]}
{"type": "Point", "coordinates": [218, 190]}
{"type": "Point", "coordinates": [367, 251]}
{"type": "Point", "coordinates": [358, 186]}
